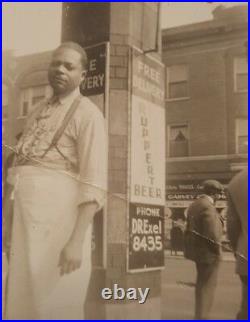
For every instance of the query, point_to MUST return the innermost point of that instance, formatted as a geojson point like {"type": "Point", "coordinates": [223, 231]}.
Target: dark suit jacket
{"type": "Point", "coordinates": [204, 220]}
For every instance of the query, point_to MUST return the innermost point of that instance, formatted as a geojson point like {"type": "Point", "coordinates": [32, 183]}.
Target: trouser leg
{"type": "Point", "coordinates": [243, 313]}
{"type": "Point", "coordinates": [205, 289]}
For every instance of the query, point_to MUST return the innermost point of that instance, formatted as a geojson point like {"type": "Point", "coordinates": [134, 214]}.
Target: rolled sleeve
{"type": "Point", "coordinates": [92, 154]}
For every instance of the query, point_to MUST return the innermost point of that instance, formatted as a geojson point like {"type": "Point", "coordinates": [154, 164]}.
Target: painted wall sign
{"type": "Point", "coordinates": [146, 226]}
{"type": "Point", "coordinates": [183, 193]}
{"type": "Point", "coordinates": [147, 160]}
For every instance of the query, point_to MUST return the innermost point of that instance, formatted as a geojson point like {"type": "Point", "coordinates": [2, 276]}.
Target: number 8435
{"type": "Point", "coordinates": [147, 243]}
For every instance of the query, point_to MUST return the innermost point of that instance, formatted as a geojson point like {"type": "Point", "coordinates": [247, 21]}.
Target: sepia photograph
{"type": "Point", "coordinates": [124, 160]}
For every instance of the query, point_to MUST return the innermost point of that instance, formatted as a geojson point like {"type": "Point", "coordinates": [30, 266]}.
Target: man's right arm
{"type": "Point", "coordinates": [211, 229]}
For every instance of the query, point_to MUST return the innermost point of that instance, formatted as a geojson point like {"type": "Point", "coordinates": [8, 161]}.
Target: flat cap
{"type": "Point", "coordinates": [211, 186]}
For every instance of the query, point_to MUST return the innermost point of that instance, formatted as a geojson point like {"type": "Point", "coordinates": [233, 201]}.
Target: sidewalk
{"type": "Point", "coordinates": [226, 256]}
{"type": "Point", "coordinates": [178, 290]}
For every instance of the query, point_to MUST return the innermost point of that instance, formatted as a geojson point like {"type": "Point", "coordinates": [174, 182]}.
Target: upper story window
{"type": "Point", "coordinates": [25, 102]}
{"type": "Point", "coordinates": [31, 96]}
{"type": "Point", "coordinates": [5, 102]}
{"type": "Point", "coordinates": [240, 74]}
{"type": "Point", "coordinates": [241, 136]}
{"type": "Point", "coordinates": [177, 82]}
{"type": "Point", "coordinates": [178, 140]}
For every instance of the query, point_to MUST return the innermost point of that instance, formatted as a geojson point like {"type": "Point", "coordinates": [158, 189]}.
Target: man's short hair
{"type": "Point", "coordinates": [212, 187]}
{"type": "Point", "coordinates": [75, 46]}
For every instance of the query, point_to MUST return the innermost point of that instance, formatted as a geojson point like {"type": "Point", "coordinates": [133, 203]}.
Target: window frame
{"type": "Point", "coordinates": [236, 90]}
{"type": "Point", "coordinates": [171, 99]}
{"type": "Point", "coordinates": [168, 139]}
{"type": "Point", "coordinates": [30, 91]}
{"type": "Point", "coordinates": [237, 126]}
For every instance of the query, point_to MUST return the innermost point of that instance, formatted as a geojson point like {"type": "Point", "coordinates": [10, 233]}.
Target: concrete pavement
{"type": "Point", "coordinates": [178, 282]}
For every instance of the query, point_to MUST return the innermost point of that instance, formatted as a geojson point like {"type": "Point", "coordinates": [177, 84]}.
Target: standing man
{"type": "Point", "coordinates": [59, 181]}
{"type": "Point", "coordinates": [202, 245]}
{"type": "Point", "coordinates": [237, 228]}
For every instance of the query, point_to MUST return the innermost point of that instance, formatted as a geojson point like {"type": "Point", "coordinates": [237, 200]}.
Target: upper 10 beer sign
{"type": "Point", "coordinates": [147, 132]}
{"type": "Point", "coordinates": [147, 179]}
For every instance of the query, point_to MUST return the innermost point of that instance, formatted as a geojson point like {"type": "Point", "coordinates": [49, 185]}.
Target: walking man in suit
{"type": "Point", "coordinates": [203, 237]}
{"type": "Point", "coordinates": [237, 228]}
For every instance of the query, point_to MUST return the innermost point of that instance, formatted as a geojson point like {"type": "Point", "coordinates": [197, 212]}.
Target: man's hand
{"type": "Point", "coordinates": [70, 257]}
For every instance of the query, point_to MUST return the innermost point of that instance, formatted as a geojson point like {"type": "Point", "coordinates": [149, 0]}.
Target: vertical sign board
{"type": "Point", "coordinates": [94, 83]}
{"type": "Point", "coordinates": [94, 87]}
{"type": "Point", "coordinates": [147, 165]}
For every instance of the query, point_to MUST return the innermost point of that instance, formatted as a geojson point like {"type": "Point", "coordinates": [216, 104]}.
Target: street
{"type": "Point", "coordinates": [178, 280]}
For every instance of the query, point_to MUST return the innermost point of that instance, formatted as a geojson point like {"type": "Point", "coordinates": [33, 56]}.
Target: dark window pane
{"type": "Point", "coordinates": [178, 90]}
{"type": "Point", "coordinates": [25, 109]}
{"type": "Point", "coordinates": [180, 137]}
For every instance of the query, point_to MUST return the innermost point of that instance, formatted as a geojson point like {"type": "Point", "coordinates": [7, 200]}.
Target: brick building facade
{"type": "Point", "coordinates": [206, 104]}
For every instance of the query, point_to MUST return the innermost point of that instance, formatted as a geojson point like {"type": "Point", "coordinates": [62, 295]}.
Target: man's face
{"type": "Point", "coordinates": [65, 71]}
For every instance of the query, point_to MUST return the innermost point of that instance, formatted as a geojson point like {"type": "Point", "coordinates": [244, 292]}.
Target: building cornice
{"type": "Point", "coordinates": [202, 37]}
{"type": "Point", "coordinates": [230, 157]}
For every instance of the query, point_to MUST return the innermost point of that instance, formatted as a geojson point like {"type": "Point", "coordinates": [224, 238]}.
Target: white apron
{"type": "Point", "coordinates": [45, 211]}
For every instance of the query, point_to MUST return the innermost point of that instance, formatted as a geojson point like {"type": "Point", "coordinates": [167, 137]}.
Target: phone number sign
{"type": "Point", "coordinates": [146, 239]}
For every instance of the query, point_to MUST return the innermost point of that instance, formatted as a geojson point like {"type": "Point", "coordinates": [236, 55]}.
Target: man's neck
{"type": "Point", "coordinates": [65, 96]}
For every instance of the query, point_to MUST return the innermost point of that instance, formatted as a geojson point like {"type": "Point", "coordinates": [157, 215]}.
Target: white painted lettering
{"type": "Point", "coordinates": [134, 226]}
{"type": "Point", "coordinates": [92, 65]}
{"type": "Point", "coordinates": [95, 82]}
{"type": "Point", "coordinates": [139, 226]}
{"type": "Point", "coordinates": [101, 79]}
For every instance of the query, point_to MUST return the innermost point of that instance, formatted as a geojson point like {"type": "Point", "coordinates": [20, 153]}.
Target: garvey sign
{"type": "Point", "coordinates": [180, 194]}
{"type": "Point", "coordinates": [147, 178]}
